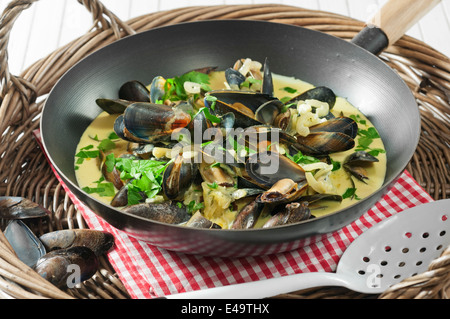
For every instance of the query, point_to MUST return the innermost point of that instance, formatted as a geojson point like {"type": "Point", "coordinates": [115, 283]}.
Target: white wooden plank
{"type": "Point", "coordinates": [141, 7]}
{"type": "Point", "coordinates": [335, 6]}
{"type": "Point", "coordinates": [18, 40]}
{"type": "Point", "coordinates": [435, 30]}
{"type": "Point", "coordinates": [76, 21]}
{"type": "Point", "coordinates": [45, 29]}
{"type": "Point", "coordinates": [59, 21]}
{"type": "Point", "coordinates": [306, 4]}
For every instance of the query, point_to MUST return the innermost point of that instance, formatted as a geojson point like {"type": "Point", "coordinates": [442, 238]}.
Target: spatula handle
{"type": "Point", "coordinates": [266, 288]}
{"type": "Point", "coordinates": [396, 17]}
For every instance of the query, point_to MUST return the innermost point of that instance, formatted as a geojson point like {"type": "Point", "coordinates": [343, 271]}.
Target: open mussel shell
{"type": "Point", "coordinates": [291, 213]}
{"type": "Point", "coordinates": [67, 267]}
{"type": "Point", "coordinates": [178, 177]}
{"type": "Point", "coordinates": [324, 143]}
{"type": "Point", "coordinates": [320, 93]}
{"type": "Point", "coordinates": [134, 91]}
{"type": "Point", "coordinates": [199, 221]}
{"type": "Point", "coordinates": [26, 245]}
{"type": "Point", "coordinates": [14, 207]}
{"type": "Point", "coordinates": [248, 215]}
{"type": "Point", "coordinates": [98, 241]}
{"type": "Point", "coordinates": [340, 124]}
{"type": "Point", "coordinates": [267, 168]}
{"type": "Point", "coordinates": [357, 162]}
{"type": "Point", "coordinates": [234, 78]}
{"type": "Point", "coordinates": [149, 122]}
{"type": "Point", "coordinates": [250, 108]}
{"type": "Point", "coordinates": [267, 82]}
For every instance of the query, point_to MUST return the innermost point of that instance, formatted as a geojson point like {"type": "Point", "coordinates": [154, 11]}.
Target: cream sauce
{"type": "Point", "coordinates": [89, 172]}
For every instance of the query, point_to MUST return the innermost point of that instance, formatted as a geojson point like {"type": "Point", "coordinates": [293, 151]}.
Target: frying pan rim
{"type": "Point", "coordinates": [85, 59]}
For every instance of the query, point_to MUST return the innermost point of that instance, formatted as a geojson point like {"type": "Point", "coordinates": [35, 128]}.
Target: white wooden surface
{"type": "Point", "coordinates": [49, 24]}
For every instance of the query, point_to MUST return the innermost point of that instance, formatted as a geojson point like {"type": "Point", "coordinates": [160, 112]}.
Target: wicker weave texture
{"type": "Point", "coordinates": [25, 172]}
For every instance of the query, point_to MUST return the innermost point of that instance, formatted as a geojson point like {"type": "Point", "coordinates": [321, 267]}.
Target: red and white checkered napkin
{"type": "Point", "coordinates": [148, 271]}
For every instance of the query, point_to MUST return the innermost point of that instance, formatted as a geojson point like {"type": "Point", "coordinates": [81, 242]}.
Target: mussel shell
{"type": "Point", "coordinates": [320, 93]}
{"type": "Point", "coordinates": [248, 215]}
{"type": "Point", "coordinates": [149, 121]}
{"type": "Point", "coordinates": [166, 212]}
{"type": "Point", "coordinates": [292, 213]}
{"type": "Point", "coordinates": [267, 168]}
{"type": "Point", "coordinates": [234, 78]}
{"type": "Point", "coordinates": [340, 124]}
{"type": "Point", "coordinates": [113, 106]}
{"type": "Point", "coordinates": [199, 221]}
{"type": "Point", "coordinates": [15, 207]}
{"type": "Point", "coordinates": [267, 83]}
{"type": "Point", "coordinates": [57, 266]}
{"type": "Point", "coordinates": [134, 91]}
{"type": "Point", "coordinates": [157, 88]}
{"type": "Point", "coordinates": [26, 245]}
{"type": "Point", "coordinates": [283, 191]}
{"type": "Point", "coordinates": [360, 157]}
{"type": "Point", "coordinates": [323, 143]}
{"type": "Point", "coordinates": [178, 177]}
{"type": "Point", "coordinates": [245, 105]}
{"type": "Point", "coordinates": [98, 241]}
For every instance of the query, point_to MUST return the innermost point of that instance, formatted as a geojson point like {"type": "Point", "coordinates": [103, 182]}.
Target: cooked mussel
{"type": "Point", "coordinates": [267, 168]}
{"type": "Point", "coordinates": [291, 213]}
{"type": "Point", "coordinates": [283, 191]}
{"type": "Point", "coordinates": [250, 108]}
{"type": "Point", "coordinates": [331, 136]}
{"type": "Point", "coordinates": [134, 91]}
{"type": "Point", "coordinates": [248, 215]}
{"type": "Point", "coordinates": [149, 122]}
{"type": "Point", "coordinates": [357, 163]}
{"type": "Point", "coordinates": [167, 212]}
{"type": "Point", "coordinates": [178, 177]}
{"type": "Point", "coordinates": [320, 93]}
{"type": "Point", "coordinates": [199, 221]}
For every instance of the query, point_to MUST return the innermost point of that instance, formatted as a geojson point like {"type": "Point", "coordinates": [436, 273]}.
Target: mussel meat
{"type": "Point", "coordinates": [267, 168]}
{"type": "Point", "coordinates": [149, 123]}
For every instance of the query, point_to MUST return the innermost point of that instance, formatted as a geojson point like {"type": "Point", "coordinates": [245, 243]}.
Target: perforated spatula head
{"type": "Point", "coordinates": [398, 247]}
{"type": "Point", "coordinates": [394, 249]}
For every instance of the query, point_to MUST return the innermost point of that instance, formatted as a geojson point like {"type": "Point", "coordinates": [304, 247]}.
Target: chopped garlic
{"type": "Point", "coordinates": [306, 118]}
{"type": "Point", "coordinates": [192, 87]}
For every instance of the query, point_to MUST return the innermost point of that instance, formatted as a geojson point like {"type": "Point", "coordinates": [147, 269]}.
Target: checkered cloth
{"type": "Point", "coordinates": [148, 271]}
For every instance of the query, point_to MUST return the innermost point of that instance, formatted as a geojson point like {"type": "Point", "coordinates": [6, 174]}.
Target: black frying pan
{"type": "Point", "coordinates": [318, 58]}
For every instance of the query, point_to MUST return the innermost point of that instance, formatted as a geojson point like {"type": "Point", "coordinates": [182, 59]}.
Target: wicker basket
{"type": "Point", "coordinates": [25, 172]}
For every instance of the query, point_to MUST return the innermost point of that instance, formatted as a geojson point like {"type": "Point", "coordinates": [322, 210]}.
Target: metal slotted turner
{"type": "Point", "coordinates": [396, 248]}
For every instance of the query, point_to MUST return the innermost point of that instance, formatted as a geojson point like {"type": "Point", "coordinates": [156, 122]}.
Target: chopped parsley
{"type": "Point", "coordinates": [366, 138]}
{"type": "Point", "coordinates": [174, 87]}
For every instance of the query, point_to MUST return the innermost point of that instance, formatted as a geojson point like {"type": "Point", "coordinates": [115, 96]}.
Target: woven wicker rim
{"type": "Point", "coordinates": [25, 172]}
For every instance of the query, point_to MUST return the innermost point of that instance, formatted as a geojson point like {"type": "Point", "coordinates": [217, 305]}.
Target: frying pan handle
{"type": "Point", "coordinates": [102, 16]}
{"type": "Point", "coordinates": [390, 23]}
